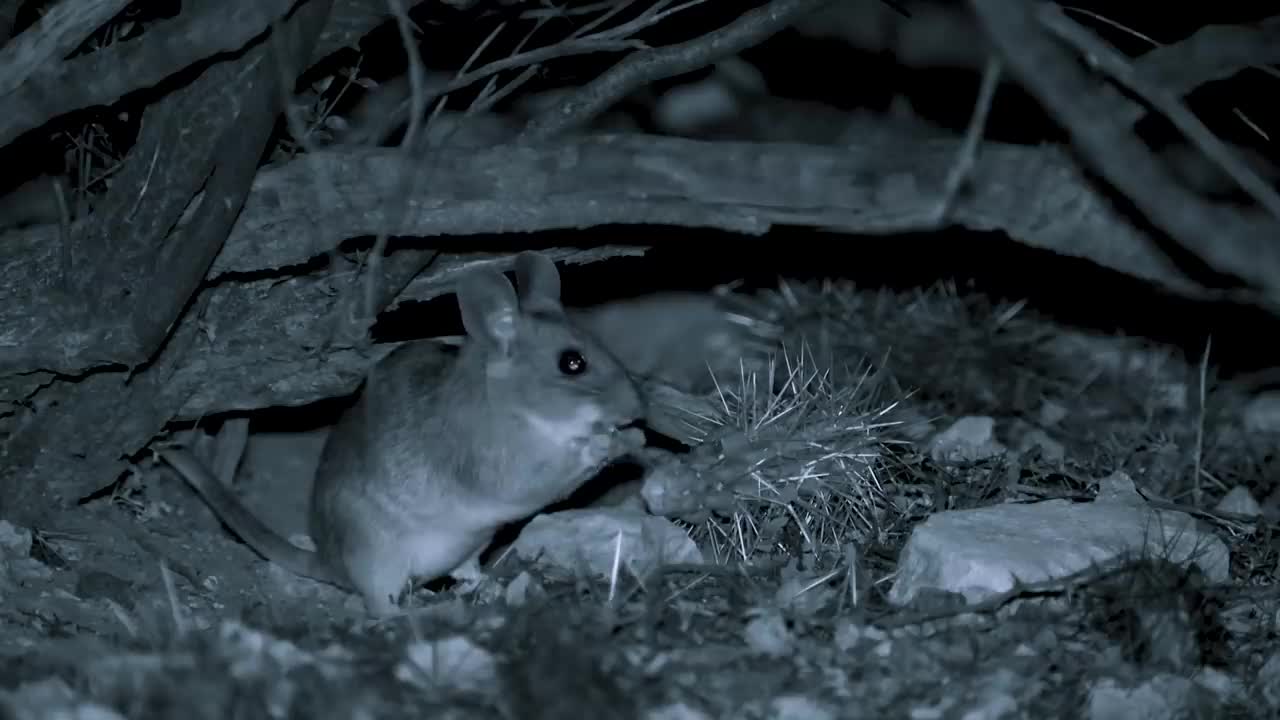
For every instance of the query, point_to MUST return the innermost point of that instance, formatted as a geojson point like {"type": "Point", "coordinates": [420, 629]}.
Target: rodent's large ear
{"type": "Point", "coordinates": [488, 305]}
{"type": "Point", "coordinates": [538, 280]}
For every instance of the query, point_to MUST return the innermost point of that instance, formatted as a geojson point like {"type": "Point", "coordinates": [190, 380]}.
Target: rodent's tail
{"type": "Point", "coordinates": [265, 541]}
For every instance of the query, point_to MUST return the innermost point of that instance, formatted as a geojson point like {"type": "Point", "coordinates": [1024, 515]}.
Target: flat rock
{"type": "Point", "coordinates": [982, 552]}
{"type": "Point", "coordinates": [586, 541]}
{"type": "Point", "coordinates": [966, 440]}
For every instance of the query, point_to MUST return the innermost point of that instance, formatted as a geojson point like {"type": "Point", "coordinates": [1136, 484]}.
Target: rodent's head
{"type": "Point", "coordinates": [535, 359]}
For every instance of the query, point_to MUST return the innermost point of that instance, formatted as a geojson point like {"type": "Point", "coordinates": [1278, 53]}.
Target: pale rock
{"type": "Point", "coordinates": [1262, 413]}
{"type": "Point", "coordinates": [51, 699]}
{"type": "Point", "coordinates": [913, 423]}
{"type": "Point", "coordinates": [968, 439]}
{"type": "Point", "coordinates": [804, 594]}
{"type": "Point", "coordinates": [798, 707]}
{"type": "Point", "coordinates": [676, 711]}
{"type": "Point", "coordinates": [256, 651]}
{"type": "Point", "coordinates": [850, 635]}
{"type": "Point", "coordinates": [455, 662]}
{"type": "Point", "coordinates": [1051, 413]}
{"type": "Point", "coordinates": [1036, 439]}
{"type": "Point", "coordinates": [983, 552]}
{"type": "Point", "coordinates": [1170, 396]}
{"type": "Point", "coordinates": [518, 591]}
{"type": "Point", "coordinates": [690, 108]}
{"type": "Point", "coordinates": [1160, 698]}
{"type": "Point", "coordinates": [767, 633]}
{"type": "Point", "coordinates": [16, 562]}
{"type": "Point", "coordinates": [587, 541]}
{"type": "Point", "coordinates": [1239, 501]}
{"type": "Point", "coordinates": [997, 697]}
{"type": "Point", "coordinates": [700, 105]}
{"type": "Point", "coordinates": [936, 710]}
{"type": "Point", "coordinates": [1226, 688]}
{"type": "Point", "coordinates": [1268, 681]}
{"type": "Point", "coordinates": [14, 541]}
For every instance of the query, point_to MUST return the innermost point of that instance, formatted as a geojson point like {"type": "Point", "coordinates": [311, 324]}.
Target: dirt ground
{"type": "Point", "coordinates": [144, 605]}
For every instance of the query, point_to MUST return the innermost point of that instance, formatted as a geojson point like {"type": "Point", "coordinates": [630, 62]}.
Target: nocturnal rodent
{"type": "Point", "coordinates": [438, 453]}
{"type": "Point", "coordinates": [683, 339]}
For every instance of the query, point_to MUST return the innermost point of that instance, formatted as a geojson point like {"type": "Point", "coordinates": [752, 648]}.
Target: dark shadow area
{"type": "Point", "coordinates": [1072, 291]}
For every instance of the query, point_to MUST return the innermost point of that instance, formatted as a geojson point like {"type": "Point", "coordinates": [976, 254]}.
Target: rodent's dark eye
{"type": "Point", "coordinates": [572, 362]}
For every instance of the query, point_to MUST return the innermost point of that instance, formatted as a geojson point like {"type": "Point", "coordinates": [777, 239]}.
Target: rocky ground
{"type": "Point", "coordinates": [934, 506]}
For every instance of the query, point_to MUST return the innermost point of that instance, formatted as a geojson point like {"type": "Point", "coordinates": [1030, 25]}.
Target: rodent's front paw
{"type": "Point", "coordinates": [606, 447]}
{"type": "Point", "coordinates": [625, 441]}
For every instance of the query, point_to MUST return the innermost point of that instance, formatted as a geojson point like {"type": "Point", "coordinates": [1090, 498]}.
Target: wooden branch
{"type": "Point", "coordinates": [643, 67]}
{"type": "Point", "coordinates": [1225, 240]}
{"type": "Point", "coordinates": [125, 278]}
{"type": "Point", "coordinates": [1214, 52]}
{"type": "Point", "coordinates": [105, 76]}
{"type": "Point", "coordinates": [37, 86]}
{"type": "Point", "coordinates": [1167, 102]}
{"type": "Point", "coordinates": [57, 33]}
{"type": "Point", "coordinates": [884, 186]}
{"type": "Point", "coordinates": [139, 286]}
{"type": "Point", "coordinates": [1037, 195]}
{"type": "Point", "coordinates": [102, 77]}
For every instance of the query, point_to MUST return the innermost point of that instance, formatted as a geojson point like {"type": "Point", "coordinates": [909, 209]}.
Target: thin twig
{"type": "Point", "coordinates": [417, 103]}
{"type": "Point", "coordinates": [639, 69]}
{"type": "Point", "coordinates": [553, 13]}
{"type": "Point", "coordinates": [969, 148]}
{"type": "Point", "coordinates": [487, 103]}
{"type": "Point", "coordinates": [475, 54]}
{"type": "Point", "coordinates": [587, 28]}
{"type": "Point", "coordinates": [327, 108]}
{"type": "Point", "coordinates": [493, 79]}
{"type": "Point", "coordinates": [488, 97]}
{"type": "Point", "coordinates": [1112, 23]}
